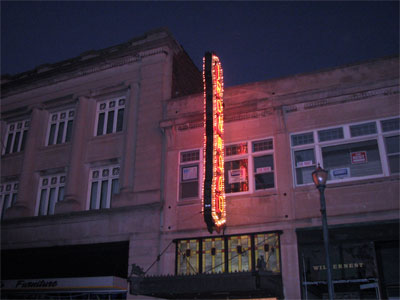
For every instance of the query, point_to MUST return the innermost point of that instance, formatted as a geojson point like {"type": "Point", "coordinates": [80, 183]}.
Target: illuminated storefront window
{"type": "Point", "coordinates": [213, 255]}
{"type": "Point", "coordinates": [267, 250]}
{"type": "Point", "coordinates": [239, 253]}
{"type": "Point", "coordinates": [236, 253]}
{"type": "Point", "coordinates": [188, 257]}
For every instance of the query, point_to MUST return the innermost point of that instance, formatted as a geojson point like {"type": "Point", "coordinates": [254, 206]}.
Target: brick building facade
{"type": "Point", "coordinates": [102, 174]}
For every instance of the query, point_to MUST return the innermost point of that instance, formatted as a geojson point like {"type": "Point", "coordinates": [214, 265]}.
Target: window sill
{"type": "Point", "coordinates": [10, 155]}
{"type": "Point", "coordinates": [351, 182]}
{"type": "Point", "coordinates": [107, 135]}
{"type": "Point", "coordinates": [189, 201]}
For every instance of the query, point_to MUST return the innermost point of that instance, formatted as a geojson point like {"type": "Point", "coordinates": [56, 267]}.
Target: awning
{"type": "Point", "coordinates": [259, 284]}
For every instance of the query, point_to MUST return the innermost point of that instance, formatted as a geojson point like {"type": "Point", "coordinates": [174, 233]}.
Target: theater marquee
{"type": "Point", "coordinates": [214, 203]}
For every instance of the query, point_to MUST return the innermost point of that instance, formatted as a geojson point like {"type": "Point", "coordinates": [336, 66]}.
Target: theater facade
{"type": "Point", "coordinates": [103, 167]}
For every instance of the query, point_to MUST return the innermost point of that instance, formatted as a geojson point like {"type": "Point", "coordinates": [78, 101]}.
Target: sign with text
{"type": "Point", "coordinates": [359, 157]}
{"type": "Point", "coordinates": [214, 203]}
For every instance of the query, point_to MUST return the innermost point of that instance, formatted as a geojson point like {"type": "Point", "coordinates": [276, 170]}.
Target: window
{"type": "Point", "coordinates": [104, 183]}
{"type": "Point", "coordinates": [237, 253]}
{"type": "Point", "coordinates": [188, 257]}
{"type": "Point", "coordinates": [16, 136]}
{"type": "Point", "coordinates": [349, 151]}
{"type": "Point", "coordinates": [51, 190]}
{"type": "Point", "coordinates": [189, 174]}
{"type": "Point", "coordinates": [60, 127]}
{"type": "Point", "coordinates": [8, 195]}
{"type": "Point", "coordinates": [393, 153]}
{"type": "Point", "coordinates": [249, 166]}
{"type": "Point", "coordinates": [110, 116]}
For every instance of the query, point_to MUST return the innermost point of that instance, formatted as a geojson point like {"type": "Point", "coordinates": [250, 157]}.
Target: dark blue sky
{"type": "Point", "coordinates": [255, 40]}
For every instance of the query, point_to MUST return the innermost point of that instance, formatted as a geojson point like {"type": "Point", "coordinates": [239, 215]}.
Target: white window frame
{"type": "Point", "coordinates": [250, 164]}
{"type": "Point", "coordinates": [8, 195]}
{"type": "Point", "coordinates": [107, 174]}
{"type": "Point", "coordinates": [107, 106]}
{"type": "Point", "coordinates": [48, 183]}
{"type": "Point", "coordinates": [56, 118]}
{"type": "Point", "coordinates": [317, 146]}
{"type": "Point", "coordinates": [13, 129]}
{"type": "Point", "coordinates": [199, 164]}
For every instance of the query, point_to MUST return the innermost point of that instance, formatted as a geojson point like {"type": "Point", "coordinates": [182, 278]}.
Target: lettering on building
{"type": "Point", "coordinates": [214, 202]}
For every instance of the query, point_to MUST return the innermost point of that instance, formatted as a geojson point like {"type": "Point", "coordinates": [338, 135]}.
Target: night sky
{"type": "Point", "coordinates": [255, 40]}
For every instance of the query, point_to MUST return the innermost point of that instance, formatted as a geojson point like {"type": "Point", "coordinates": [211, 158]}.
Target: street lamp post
{"type": "Point", "coordinates": [319, 177]}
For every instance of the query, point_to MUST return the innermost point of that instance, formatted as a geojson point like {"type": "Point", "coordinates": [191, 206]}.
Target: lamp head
{"type": "Point", "coordinates": [319, 176]}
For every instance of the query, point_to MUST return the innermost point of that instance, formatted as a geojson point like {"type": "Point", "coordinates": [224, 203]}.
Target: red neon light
{"type": "Point", "coordinates": [218, 201]}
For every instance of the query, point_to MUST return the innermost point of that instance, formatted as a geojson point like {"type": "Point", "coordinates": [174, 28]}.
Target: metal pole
{"type": "Point", "coordinates": [321, 189]}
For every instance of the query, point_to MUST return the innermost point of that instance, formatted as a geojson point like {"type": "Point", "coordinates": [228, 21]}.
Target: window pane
{"type": "Point", "coordinates": [120, 119]}
{"type": "Point", "coordinates": [239, 253]}
{"type": "Point", "coordinates": [393, 151]}
{"type": "Point", "coordinates": [262, 145]}
{"type": "Point", "coordinates": [189, 189]}
{"type": "Point", "coordinates": [363, 129]}
{"type": "Point", "coordinates": [188, 257]}
{"type": "Point", "coordinates": [213, 255]}
{"type": "Point", "coordinates": [303, 175]}
{"type": "Point", "coordinates": [236, 176]}
{"type": "Point", "coordinates": [60, 194]}
{"type": "Point", "coordinates": [5, 205]}
{"type": "Point", "coordinates": [60, 132]}
{"type": "Point", "coordinates": [93, 196]}
{"type": "Point", "coordinates": [52, 201]}
{"type": "Point", "coordinates": [190, 156]}
{"type": "Point", "coordinates": [9, 141]}
{"type": "Point", "coordinates": [302, 139]}
{"type": "Point", "coordinates": [390, 125]}
{"type": "Point", "coordinates": [114, 188]}
{"type": "Point", "coordinates": [51, 134]}
{"type": "Point", "coordinates": [16, 142]}
{"type": "Point", "coordinates": [14, 199]}
{"type": "Point", "coordinates": [24, 139]}
{"type": "Point", "coordinates": [100, 124]}
{"type": "Point", "coordinates": [305, 165]}
{"type": "Point", "coordinates": [110, 121]}
{"type": "Point", "coordinates": [330, 134]}
{"type": "Point", "coordinates": [103, 195]}
{"type": "Point", "coordinates": [263, 168]}
{"type": "Point", "coordinates": [267, 251]}
{"type": "Point", "coordinates": [69, 131]}
{"type": "Point", "coordinates": [236, 149]}
{"type": "Point", "coordinates": [352, 160]}
{"type": "Point", "coordinates": [393, 144]}
{"type": "Point", "coordinates": [42, 204]}
{"type": "Point", "coordinates": [304, 158]}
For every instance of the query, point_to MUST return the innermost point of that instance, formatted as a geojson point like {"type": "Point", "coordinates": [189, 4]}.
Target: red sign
{"type": "Point", "coordinates": [214, 209]}
{"type": "Point", "coordinates": [359, 157]}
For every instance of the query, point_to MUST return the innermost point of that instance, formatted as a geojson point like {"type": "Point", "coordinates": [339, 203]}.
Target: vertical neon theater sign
{"type": "Point", "coordinates": [214, 203]}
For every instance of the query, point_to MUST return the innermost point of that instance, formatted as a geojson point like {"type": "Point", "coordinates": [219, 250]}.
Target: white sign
{"type": "Point", "coordinates": [189, 173]}
{"type": "Point", "coordinates": [263, 170]}
{"type": "Point", "coordinates": [236, 175]}
{"type": "Point", "coordinates": [340, 173]}
{"type": "Point", "coordinates": [306, 163]}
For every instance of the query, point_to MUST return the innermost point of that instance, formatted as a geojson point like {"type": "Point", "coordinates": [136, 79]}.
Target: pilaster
{"type": "Point", "coordinates": [28, 180]}
{"type": "Point", "coordinates": [75, 199]}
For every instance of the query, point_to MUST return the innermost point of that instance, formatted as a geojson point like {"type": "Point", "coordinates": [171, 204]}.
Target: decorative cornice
{"type": "Point", "coordinates": [75, 73]}
{"type": "Point", "coordinates": [362, 95]}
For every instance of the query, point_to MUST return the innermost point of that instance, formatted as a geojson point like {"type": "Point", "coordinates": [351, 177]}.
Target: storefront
{"type": "Point", "coordinates": [364, 257]}
{"type": "Point", "coordinates": [246, 266]}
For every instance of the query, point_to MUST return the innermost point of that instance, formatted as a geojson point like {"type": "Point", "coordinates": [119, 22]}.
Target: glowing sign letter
{"type": "Point", "coordinates": [214, 206]}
